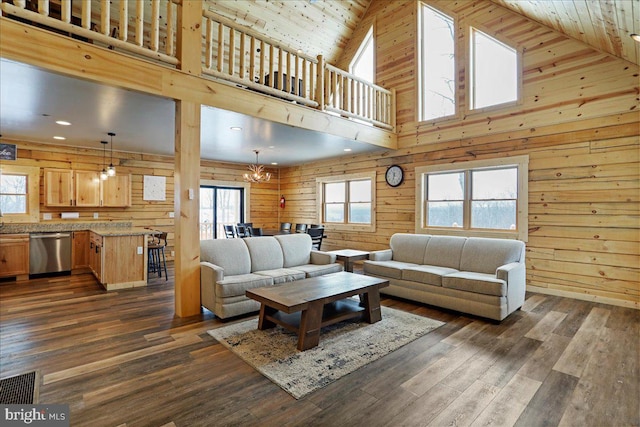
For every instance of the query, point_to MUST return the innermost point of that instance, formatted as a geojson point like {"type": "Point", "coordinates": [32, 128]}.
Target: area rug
{"type": "Point", "coordinates": [21, 389]}
{"type": "Point", "coordinates": [344, 347]}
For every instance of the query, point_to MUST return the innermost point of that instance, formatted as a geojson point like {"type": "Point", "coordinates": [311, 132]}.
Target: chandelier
{"type": "Point", "coordinates": [257, 172]}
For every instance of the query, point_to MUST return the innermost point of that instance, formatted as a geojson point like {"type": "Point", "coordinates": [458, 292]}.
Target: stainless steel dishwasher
{"type": "Point", "coordinates": [49, 252]}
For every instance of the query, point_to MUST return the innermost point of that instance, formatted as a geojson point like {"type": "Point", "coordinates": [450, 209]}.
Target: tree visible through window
{"type": "Point", "coordinates": [437, 65]}
{"type": "Point", "coordinates": [13, 194]}
{"type": "Point", "coordinates": [347, 202]}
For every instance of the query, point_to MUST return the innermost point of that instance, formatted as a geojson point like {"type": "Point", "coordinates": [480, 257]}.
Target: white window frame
{"type": "Point", "coordinates": [346, 226]}
{"type": "Point", "coordinates": [368, 40]}
{"type": "Point", "coordinates": [522, 214]}
{"type": "Point", "coordinates": [421, 68]}
{"type": "Point", "coordinates": [470, 76]}
{"type": "Point", "coordinates": [33, 193]}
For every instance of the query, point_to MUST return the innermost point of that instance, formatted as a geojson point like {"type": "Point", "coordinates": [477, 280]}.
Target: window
{"type": "Point", "coordinates": [19, 193]}
{"type": "Point", "coordinates": [485, 198]}
{"type": "Point", "coordinates": [220, 206]}
{"type": "Point", "coordinates": [494, 71]}
{"type": "Point", "coordinates": [347, 202]}
{"type": "Point", "coordinates": [363, 65]}
{"type": "Point", "coordinates": [437, 65]}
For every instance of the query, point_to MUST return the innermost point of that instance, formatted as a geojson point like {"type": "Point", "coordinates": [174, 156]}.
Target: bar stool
{"type": "Point", "coordinates": [155, 249]}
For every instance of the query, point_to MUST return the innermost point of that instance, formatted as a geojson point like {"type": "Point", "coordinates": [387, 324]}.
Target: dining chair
{"type": "Point", "coordinates": [301, 228]}
{"type": "Point", "coordinates": [156, 250]}
{"type": "Point", "coordinates": [229, 231]}
{"type": "Point", "coordinates": [317, 234]}
{"type": "Point", "coordinates": [243, 231]}
{"type": "Point", "coordinates": [256, 231]}
{"type": "Point", "coordinates": [285, 226]}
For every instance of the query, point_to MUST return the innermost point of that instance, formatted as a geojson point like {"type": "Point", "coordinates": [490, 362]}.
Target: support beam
{"type": "Point", "coordinates": [187, 201]}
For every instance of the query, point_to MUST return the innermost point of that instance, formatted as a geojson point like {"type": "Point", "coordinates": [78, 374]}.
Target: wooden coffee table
{"type": "Point", "coordinates": [305, 306]}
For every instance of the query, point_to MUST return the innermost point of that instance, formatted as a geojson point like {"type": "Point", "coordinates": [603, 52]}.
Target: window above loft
{"type": "Point", "coordinates": [494, 72]}
{"type": "Point", "coordinates": [437, 65]}
{"type": "Point", "coordinates": [363, 64]}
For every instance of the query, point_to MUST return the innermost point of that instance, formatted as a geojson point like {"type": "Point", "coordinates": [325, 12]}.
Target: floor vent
{"type": "Point", "coordinates": [19, 390]}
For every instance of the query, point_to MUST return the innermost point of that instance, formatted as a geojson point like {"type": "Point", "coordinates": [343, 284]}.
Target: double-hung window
{"type": "Point", "coordinates": [347, 201]}
{"type": "Point", "coordinates": [477, 198]}
{"type": "Point", "coordinates": [19, 193]}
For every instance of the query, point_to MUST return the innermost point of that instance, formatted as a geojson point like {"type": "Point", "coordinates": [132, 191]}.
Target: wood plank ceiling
{"type": "Point", "coordinates": [325, 26]}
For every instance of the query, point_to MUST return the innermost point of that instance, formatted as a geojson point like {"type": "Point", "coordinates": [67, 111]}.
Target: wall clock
{"type": "Point", "coordinates": [394, 175]}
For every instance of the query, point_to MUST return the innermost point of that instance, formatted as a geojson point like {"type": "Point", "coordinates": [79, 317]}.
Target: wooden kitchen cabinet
{"type": "Point", "coordinates": [118, 260]}
{"type": "Point", "coordinates": [14, 255]}
{"type": "Point", "coordinates": [87, 189]}
{"type": "Point", "coordinates": [95, 255]}
{"type": "Point", "coordinates": [116, 191]}
{"type": "Point", "coordinates": [80, 250]}
{"type": "Point", "coordinates": [58, 187]}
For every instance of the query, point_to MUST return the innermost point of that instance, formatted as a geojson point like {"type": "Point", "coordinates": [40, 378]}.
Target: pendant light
{"type": "Point", "coordinates": [257, 172]}
{"type": "Point", "coordinates": [103, 174]}
{"type": "Point", "coordinates": [111, 170]}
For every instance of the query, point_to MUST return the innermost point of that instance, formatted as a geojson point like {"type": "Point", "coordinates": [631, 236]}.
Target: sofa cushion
{"type": "Point", "coordinates": [444, 251]}
{"type": "Point", "coordinates": [409, 247]}
{"type": "Point", "coordinates": [296, 248]}
{"type": "Point", "coordinates": [428, 274]}
{"type": "Point", "coordinates": [236, 285]}
{"type": "Point", "coordinates": [479, 283]}
{"type": "Point", "coordinates": [390, 269]}
{"type": "Point", "coordinates": [484, 255]}
{"type": "Point", "coordinates": [232, 255]}
{"type": "Point", "coordinates": [265, 252]}
{"type": "Point", "coordinates": [313, 270]}
{"type": "Point", "coordinates": [282, 275]}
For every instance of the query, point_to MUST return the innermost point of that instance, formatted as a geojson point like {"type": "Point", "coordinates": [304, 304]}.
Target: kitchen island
{"type": "Point", "coordinates": [118, 257]}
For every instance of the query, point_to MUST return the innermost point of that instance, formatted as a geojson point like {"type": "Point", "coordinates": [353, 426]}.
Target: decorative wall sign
{"type": "Point", "coordinates": [8, 152]}
{"type": "Point", "coordinates": [154, 188]}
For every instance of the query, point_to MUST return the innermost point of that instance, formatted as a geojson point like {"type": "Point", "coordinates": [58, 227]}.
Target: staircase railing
{"type": "Point", "coordinates": [107, 23]}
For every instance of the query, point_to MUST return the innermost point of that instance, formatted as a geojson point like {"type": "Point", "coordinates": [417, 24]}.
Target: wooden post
{"type": "Point", "coordinates": [86, 14]}
{"type": "Point", "coordinates": [187, 202]}
{"type": "Point", "coordinates": [155, 25]}
{"type": "Point", "coordinates": [124, 20]}
{"type": "Point", "coordinates": [320, 83]}
{"type": "Point", "coordinates": [188, 37]}
{"type": "Point", "coordinates": [105, 17]}
{"type": "Point", "coordinates": [140, 23]}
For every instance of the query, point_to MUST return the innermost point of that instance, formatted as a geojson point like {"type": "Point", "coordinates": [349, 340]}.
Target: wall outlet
{"type": "Point", "coordinates": [95, 215]}
{"type": "Point", "coordinates": [139, 250]}
{"type": "Point", "coordinates": [173, 253]}
{"type": "Point", "coordinates": [172, 214]}
{"type": "Point", "coordinates": [46, 216]}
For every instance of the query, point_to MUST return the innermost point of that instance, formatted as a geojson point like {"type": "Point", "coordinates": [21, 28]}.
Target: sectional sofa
{"type": "Point", "coordinates": [229, 267]}
{"type": "Point", "coordinates": [480, 276]}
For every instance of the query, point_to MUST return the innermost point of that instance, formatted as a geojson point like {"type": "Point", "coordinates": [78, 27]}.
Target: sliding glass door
{"type": "Point", "coordinates": [219, 206]}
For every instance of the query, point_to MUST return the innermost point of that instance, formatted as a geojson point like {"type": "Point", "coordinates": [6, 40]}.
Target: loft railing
{"type": "Point", "coordinates": [134, 26]}
{"type": "Point", "coordinates": [243, 57]}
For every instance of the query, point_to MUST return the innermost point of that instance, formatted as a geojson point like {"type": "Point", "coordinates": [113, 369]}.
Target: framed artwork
{"type": "Point", "coordinates": [154, 188]}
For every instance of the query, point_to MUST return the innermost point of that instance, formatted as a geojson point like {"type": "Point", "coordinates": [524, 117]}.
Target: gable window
{"type": "Point", "coordinates": [481, 198]}
{"type": "Point", "coordinates": [494, 71]}
{"type": "Point", "coordinates": [437, 65]}
{"type": "Point", "coordinates": [363, 65]}
{"type": "Point", "coordinates": [19, 193]}
{"type": "Point", "coordinates": [347, 201]}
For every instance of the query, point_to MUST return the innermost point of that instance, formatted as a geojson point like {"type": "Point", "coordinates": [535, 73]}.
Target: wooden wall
{"type": "Point", "coordinates": [578, 122]}
{"type": "Point", "coordinates": [154, 214]}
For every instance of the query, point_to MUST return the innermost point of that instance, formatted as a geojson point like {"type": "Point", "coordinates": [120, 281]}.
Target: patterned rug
{"type": "Point", "coordinates": [344, 347]}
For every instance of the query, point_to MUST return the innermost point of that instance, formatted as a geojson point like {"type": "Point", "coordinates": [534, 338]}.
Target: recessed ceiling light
{"type": "Point", "coordinates": [63, 123]}
{"type": "Point", "coordinates": [62, 138]}
{"type": "Point", "coordinates": [272, 146]}
{"type": "Point", "coordinates": [235, 128]}
{"type": "Point", "coordinates": [636, 37]}
{"type": "Point", "coordinates": [274, 163]}
{"type": "Point", "coordinates": [347, 149]}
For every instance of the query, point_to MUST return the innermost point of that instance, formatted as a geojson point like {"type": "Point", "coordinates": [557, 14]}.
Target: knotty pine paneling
{"type": "Point", "coordinates": [154, 214]}
{"type": "Point", "coordinates": [578, 122]}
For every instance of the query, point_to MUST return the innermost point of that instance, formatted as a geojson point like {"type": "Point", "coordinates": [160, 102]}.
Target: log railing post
{"type": "Point", "coordinates": [43, 7]}
{"type": "Point", "coordinates": [139, 23]}
{"type": "Point", "coordinates": [105, 17]}
{"type": "Point", "coordinates": [170, 28]}
{"type": "Point", "coordinates": [155, 25]}
{"type": "Point", "coordinates": [124, 20]}
{"type": "Point", "coordinates": [320, 83]}
{"type": "Point", "coordinates": [86, 14]}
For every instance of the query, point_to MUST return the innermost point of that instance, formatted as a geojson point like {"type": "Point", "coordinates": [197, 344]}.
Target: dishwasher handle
{"type": "Point", "coordinates": [49, 236]}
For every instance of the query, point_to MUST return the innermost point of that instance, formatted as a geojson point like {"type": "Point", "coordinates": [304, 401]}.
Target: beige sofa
{"type": "Point", "coordinates": [229, 267]}
{"type": "Point", "coordinates": [480, 276]}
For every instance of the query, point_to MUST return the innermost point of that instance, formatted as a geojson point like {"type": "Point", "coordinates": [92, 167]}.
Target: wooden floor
{"type": "Point", "coordinates": [123, 358]}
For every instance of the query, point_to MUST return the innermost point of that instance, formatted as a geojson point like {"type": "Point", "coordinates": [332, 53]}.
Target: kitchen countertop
{"type": "Point", "coordinates": [123, 231]}
{"type": "Point", "coordinates": [44, 227]}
